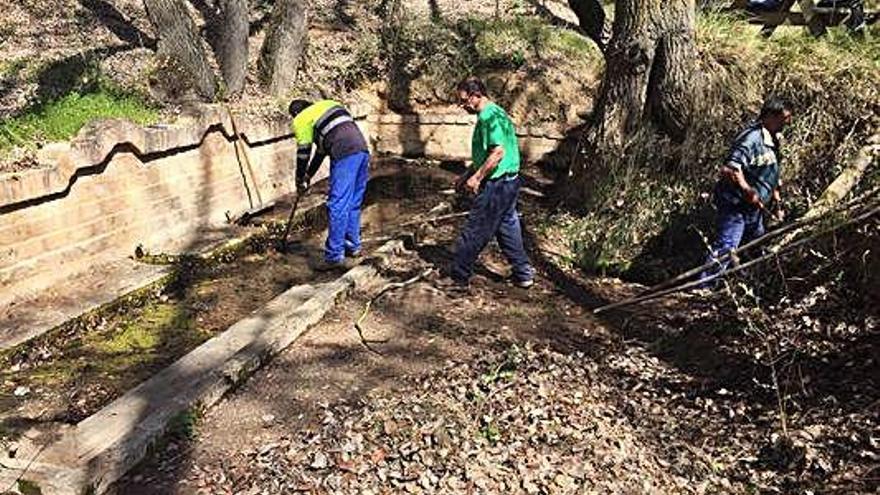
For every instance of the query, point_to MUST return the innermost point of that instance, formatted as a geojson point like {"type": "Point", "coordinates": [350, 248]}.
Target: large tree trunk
{"type": "Point", "coordinates": [283, 49]}
{"type": "Point", "coordinates": [672, 85]}
{"type": "Point", "coordinates": [231, 45]}
{"type": "Point", "coordinates": [649, 80]}
{"type": "Point", "coordinates": [179, 42]}
{"type": "Point", "coordinates": [649, 66]}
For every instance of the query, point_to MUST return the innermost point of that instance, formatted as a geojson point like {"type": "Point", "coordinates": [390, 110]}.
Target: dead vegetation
{"type": "Point", "coordinates": [528, 392]}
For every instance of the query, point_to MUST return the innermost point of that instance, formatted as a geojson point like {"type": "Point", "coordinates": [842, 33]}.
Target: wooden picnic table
{"type": "Point", "coordinates": [816, 18]}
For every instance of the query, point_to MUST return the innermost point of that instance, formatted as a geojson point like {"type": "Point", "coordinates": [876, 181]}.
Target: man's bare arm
{"type": "Point", "coordinates": [734, 175]}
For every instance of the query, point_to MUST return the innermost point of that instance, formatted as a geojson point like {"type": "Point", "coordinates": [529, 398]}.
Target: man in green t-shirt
{"type": "Point", "coordinates": [494, 178]}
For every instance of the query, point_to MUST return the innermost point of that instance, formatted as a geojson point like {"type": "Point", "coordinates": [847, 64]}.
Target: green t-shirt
{"type": "Point", "coordinates": [494, 128]}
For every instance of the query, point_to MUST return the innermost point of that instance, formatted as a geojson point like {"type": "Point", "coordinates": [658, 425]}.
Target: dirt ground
{"type": "Point", "coordinates": [511, 391]}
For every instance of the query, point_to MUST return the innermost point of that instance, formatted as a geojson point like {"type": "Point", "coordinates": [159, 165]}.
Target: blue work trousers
{"type": "Point", "coordinates": [736, 224]}
{"type": "Point", "coordinates": [493, 214]}
{"type": "Point", "coordinates": [348, 183]}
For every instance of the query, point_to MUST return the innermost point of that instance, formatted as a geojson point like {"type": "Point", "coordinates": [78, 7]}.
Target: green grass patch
{"type": "Point", "coordinates": [573, 45]}
{"type": "Point", "coordinates": [120, 350]}
{"type": "Point", "coordinates": [61, 119]}
{"type": "Point", "coordinates": [183, 426]}
{"type": "Point", "coordinates": [141, 335]}
{"type": "Point", "coordinates": [29, 488]}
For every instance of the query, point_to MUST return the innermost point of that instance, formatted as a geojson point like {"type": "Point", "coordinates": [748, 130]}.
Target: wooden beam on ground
{"type": "Point", "coordinates": [91, 456]}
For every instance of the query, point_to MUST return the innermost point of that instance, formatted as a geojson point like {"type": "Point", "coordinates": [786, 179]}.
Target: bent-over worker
{"type": "Point", "coordinates": [330, 129]}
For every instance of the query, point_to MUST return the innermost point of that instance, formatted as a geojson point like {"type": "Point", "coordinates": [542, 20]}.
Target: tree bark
{"type": "Point", "coordinates": [283, 48]}
{"type": "Point", "coordinates": [649, 69]}
{"type": "Point", "coordinates": [591, 18]}
{"type": "Point", "coordinates": [231, 46]}
{"type": "Point", "coordinates": [179, 42]}
{"type": "Point", "coordinates": [649, 81]}
{"type": "Point", "coordinates": [672, 84]}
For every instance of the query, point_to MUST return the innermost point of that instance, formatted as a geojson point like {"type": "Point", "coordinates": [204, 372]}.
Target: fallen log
{"type": "Point", "coordinates": [843, 184]}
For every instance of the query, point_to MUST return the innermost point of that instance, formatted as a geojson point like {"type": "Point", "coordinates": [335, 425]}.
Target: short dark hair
{"type": "Point", "coordinates": [473, 86]}
{"type": "Point", "coordinates": [297, 106]}
{"type": "Point", "coordinates": [774, 105]}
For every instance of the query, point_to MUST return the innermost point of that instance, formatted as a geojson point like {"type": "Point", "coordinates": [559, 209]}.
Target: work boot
{"type": "Point", "coordinates": [329, 266]}
{"type": "Point", "coordinates": [524, 284]}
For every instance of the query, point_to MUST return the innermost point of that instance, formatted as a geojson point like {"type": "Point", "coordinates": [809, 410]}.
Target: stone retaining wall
{"type": "Point", "coordinates": [447, 136]}
{"type": "Point", "coordinates": [118, 186]}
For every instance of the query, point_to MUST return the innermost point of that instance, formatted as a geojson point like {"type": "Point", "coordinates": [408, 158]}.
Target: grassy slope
{"type": "Point", "coordinates": [61, 119]}
{"type": "Point", "coordinates": [540, 72]}
{"type": "Point", "coordinates": [834, 83]}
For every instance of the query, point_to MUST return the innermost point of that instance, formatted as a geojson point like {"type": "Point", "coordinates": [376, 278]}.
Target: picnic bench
{"type": "Point", "coordinates": [817, 16]}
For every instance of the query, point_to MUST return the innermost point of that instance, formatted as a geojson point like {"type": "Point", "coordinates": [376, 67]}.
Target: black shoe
{"type": "Point", "coordinates": [329, 266]}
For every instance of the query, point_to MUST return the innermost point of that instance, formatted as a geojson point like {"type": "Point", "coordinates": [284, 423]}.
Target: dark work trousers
{"type": "Point", "coordinates": [493, 214]}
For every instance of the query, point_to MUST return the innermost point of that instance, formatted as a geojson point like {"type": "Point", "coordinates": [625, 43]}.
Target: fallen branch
{"type": "Point", "coordinates": [847, 179]}
{"type": "Point", "coordinates": [650, 295]}
{"type": "Point", "coordinates": [384, 290]}
{"type": "Point", "coordinates": [843, 183]}
{"type": "Point", "coordinates": [797, 225]}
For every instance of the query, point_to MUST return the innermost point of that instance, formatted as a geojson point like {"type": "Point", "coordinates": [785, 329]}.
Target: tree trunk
{"type": "Point", "coordinates": [283, 49]}
{"type": "Point", "coordinates": [672, 84]}
{"type": "Point", "coordinates": [649, 79]}
{"type": "Point", "coordinates": [179, 42]}
{"type": "Point", "coordinates": [231, 46]}
{"type": "Point", "coordinates": [649, 69]}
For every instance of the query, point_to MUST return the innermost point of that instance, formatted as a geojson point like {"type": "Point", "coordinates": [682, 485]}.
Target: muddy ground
{"type": "Point", "coordinates": [513, 391]}
{"type": "Point", "coordinates": [71, 372]}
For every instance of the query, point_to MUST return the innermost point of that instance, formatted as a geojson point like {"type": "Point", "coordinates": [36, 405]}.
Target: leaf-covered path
{"type": "Point", "coordinates": [512, 391]}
